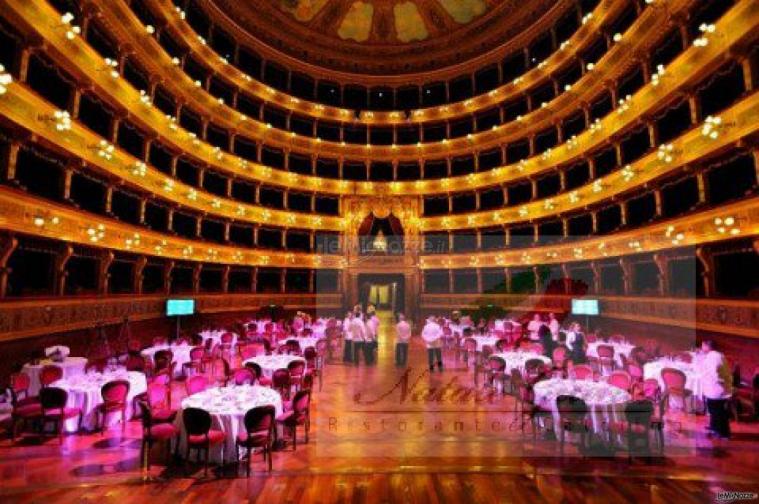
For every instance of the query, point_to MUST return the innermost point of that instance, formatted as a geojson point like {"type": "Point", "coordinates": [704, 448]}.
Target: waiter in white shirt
{"type": "Point", "coordinates": [553, 325]}
{"type": "Point", "coordinates": [432, 335]}
{"type": "Point", "coordinates": [358, 334]}
{"type": "Point", "coordinates": [717, 383]}
{"type": "Point", "coordinates": [402, 337]}
{"type": "Point", "coordinates": [347, 338]}
{"type": "Point", "coordinates": [370, 339]}
{"type": "Point", "coordinates": [534, 326]}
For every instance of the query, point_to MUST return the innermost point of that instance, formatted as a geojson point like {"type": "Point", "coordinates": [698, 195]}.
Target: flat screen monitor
{"type": "Point", "coordinates": [180, 307]}
{"type": "Point", "coordinates": [585, 307]}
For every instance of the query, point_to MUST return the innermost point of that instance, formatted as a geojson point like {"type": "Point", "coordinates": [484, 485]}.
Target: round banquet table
{"type": "Point", "coordinates": [482, 341]}
{"type": "Point", "coordinates": [72, 366]}
{"type": "Point", "coordinates": [693, 373]}
{"type": "Point", "coordinates": [517, 360]}
{"type": "Point", "coordinates": [619, 350]}
{"type": "Point", "coordinates": [84, 393]}
{"type": "Point", "coordinates": [606, 403]}
{"type": "Point", "coordinates": [181, 354]}
{"type": "Point", "coordinates": [227, 406]}
{"type": "Point", "coordinates": [270, 363]}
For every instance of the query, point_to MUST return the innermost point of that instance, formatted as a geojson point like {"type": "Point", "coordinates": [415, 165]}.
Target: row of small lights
{"type": "Point", "coordinates": [624, 103]}
{"type": "Point", "coordinates": [394, 114]}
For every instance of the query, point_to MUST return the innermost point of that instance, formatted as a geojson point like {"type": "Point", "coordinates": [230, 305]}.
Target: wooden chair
{"type": "Point", "coordinates": [259, 433]}
{"type": "Point", "coordinates": [298, 415]}
{"type": "Point", "coordinates": [53, 402]}
{"type": "Point", "coordinates": [154, 432]}
{"type": "Point", "coordinates": [114, 395]}
{"type": "Point", "coordinates": [200, 436]}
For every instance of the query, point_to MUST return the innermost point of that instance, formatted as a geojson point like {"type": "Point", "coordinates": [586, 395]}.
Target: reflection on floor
{"type": "Point", "coordinates": [384, 434]}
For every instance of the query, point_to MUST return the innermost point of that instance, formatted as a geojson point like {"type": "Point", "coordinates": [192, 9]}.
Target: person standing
{"type": "Point", "coordinates": [553, 325]}
{"type": "Point", "coordinates": [347, 338]}
{"type": "Point", "coordinates": [370, 340]}
{"type": "Point", "coordinates": [358, 334]}
{"type": "Point", "coordinates": [534, 326]}
{"type": "Point", "coordinates": [432, 334]}
{"type": "Point", "coordinates": [718, 389]}
{"type": "Point", "coordinates": [402, 337]}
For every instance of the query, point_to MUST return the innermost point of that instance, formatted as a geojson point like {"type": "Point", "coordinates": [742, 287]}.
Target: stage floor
{"type": "Point", "coordinates": [384, 434]}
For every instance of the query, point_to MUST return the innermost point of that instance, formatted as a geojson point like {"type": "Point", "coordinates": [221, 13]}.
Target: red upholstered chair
{"type": "Point", "coordinates": [525, 403]}
{"type": "Point", "coordinates": [280, 381]}
{"type": "Point", "coordinates": [636, 427]}
{"type": "Point", "coordinates": [259, 433]}
{"type": "Point", "coordinates": [50, 374]}
{"type": "Point", "coordinates": [496, 372]}
{"type": "Point", "coordinates": [535, 370]}
{"type": "Point", "coordinates": [314, 364]}
{"type": "Point", "coordinates": [299, 414]}
{"type": "Point", "coordinates": [53, 401]}
{"type": "Point", "coordinates": [481, 365]}
{"type": "Point", "coordinates": [135, 363]}
{"type": "Point", "coordinates": [196, 384]}
{"type": "Point", "coordinates": [573, 417]}
{"type": "Point", "coordinates": [196, 363]}
{"type": "Point", "coordinates": [297, 369]}
{"type": "Point", "coordinates": [258, 373]}
{"type": "Point", "coordinates": [225, 347]}
{"type": "Point", "coordinates": [158, 399]}
{"type": "Point", "coordinates": [154, 431]}
{"type": "Point", "coordinates": [605, 359]}
{"type": "Point", "coordinates": [200, 436]}
{"type": "Point", "coordinates": [243, 376]}
{"type": "Point", "coordinates": [674, 385]}
{"type": "Point", "coordinates": [559, 357]}
{"type": "Point", "coordinates": [581, 372]}
{"type": "Point", "coordinates": [25, 408]}
{"type": "Point", "coordinates": [19, 389]}
{"type": "Point", "coordinates": [470, 350]}
{"type": "Point", "coordinates": [114, 395]}
{"type": "Point", "coordinates": [635, 371]}
{"type": "Point", "coordinates": [249, 350]}
{"type": "Point", "coordinates": [620, 379]}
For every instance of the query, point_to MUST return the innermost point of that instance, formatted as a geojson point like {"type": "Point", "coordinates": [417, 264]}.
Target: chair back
{"type": "Point", "coordinates": [620, 379]}
{"type": "Point", "coordinates": [638, 355]}
{"type": "Point", "coordinates": [616, 338]}
{"type": "Point", "coordinates": [293, 346]}
{"type": "Point", "coordinates": [197, 422]}
{"type": "Point", "coordinates": [651, 389]}
{"type": "Point", "coordinates": [250, 350]}
{"type": "Point", "coordinates": [301, 404]}
{"type": "Point", "coordinates": [674, 379]}
{"type": "Point", "coordinates": [536, 348]}
{"type": "Point", "coordinates": [470, 345]}
{"type": "Point", "coordinates": [496, 364]}
{"type": "Point", "coordinates": [639, 412]}
{"type": "Point", "coordinates": [243, 376]}
{"type": "Point", "coordinates": [296, 368]}
{"type": "Point", "coordinates": [635, 371]}
{"type": "Point", "coordinates": [197, 354]}
{"type": "Point", "coordinates": [605, 351]}
{"type": "Point", "coordinates": [559, 355]}
{"type": "Point", "coordinates": [254, 368]}
{"type": "Point", "coordinates": [311, 356]}
{"type": "Point", "coordinates": [50, 374]}
{"type": "Point", "coordinates": [591, 337]}
{"type": "Point", "coordinates": [161, 378]}
{"type": "Point", "coordinates": [135, 362]}
{"type": "Point", "coordinates": [115, 391]}
{"type": "Point", "coordinates": [280, 380]}
{"type": "Point", "coordinates": [196, 384]}
{"type": "Point", "coordinates": [487, 351]}
{"type": "Point", "coordinates": [53, 398]}
{"type": "Point", "coordinates": [321, 346]}
{"type": "Point", "coordinates": [259, 419]}
{"type": "Point", "coordinates": [157, 395]}
{"type": "Point", "coordinates": [534, 368]}
{"type": "Point", "coordinates": [227, 338]}
{"type": "Point", "coordinates": [164, 355]}
{"type": "Point", "coordinates": [19, 384]}
{"type": "Point", "coordinates": [572, 409]}
{"type": "Point", "coordinates": [502, 345]}
{"type": "Point", "coordinates": [582, 372]}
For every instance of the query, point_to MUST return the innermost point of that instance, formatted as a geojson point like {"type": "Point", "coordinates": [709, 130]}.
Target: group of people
{"type": "Point", "coordinates": [550, 335]}
{"type": "Point", "coordinates": [360, 336]}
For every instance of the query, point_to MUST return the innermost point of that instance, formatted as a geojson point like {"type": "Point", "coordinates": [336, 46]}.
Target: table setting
{"type": "Point", "coordinates": [606, 403]}
{"type": "Point", "coordinates": [517, 359]}
{"type": "Point", "coordinates": [270, 363]}
{"type": "Point", "coordinates": [181, 354]}
{"type": "Point", "coordinates": [620, 349]}
{"type": "Point", "coordinates": [71, 366]}
{"type": "Point", "coordinates": [84, 392]}
{"type": "Point", "coordinates": [227, 406]}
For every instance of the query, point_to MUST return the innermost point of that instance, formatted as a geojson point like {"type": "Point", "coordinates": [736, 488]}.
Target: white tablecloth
{"type": "Point", "coordinates": [181, 354]}
{"type": "Point", "coordinates": [305, 342]}
{"type": "Point", "coordinates": [693, 376]}
{"type": "Point", "coordinates": [606, 403]}
{"type": "Point", "coordinates": [270, 363]}
{"type": "Point", "coordinates": [482, 341]}
{"type": "Point", "coordinates": [619, 350]}
{"type": "Point", "coordinates": [84, 393]}
{"type": "Point", "coordinates": [227, 407]}
{"type": "Point", "coordinates": [72, 366]}
{"type": "Point", "coordinates": [517, 360]}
